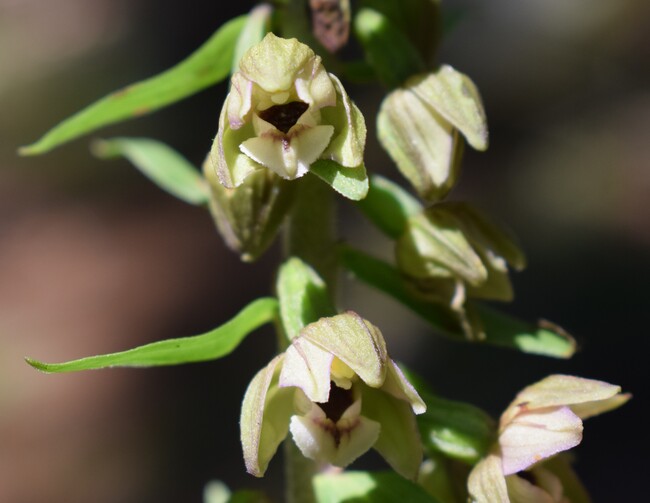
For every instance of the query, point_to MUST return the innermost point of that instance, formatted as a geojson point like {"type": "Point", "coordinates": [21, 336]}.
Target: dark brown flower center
{"type": "Point", "coordinates": [340, 399]}
{"type": "Point", "coordinates": [284, 117]}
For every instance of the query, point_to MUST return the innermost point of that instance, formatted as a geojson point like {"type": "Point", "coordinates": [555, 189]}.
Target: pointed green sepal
{"type": "Point", "coordinates": [209, 346]}
{"type": "Point", "coordinates": [349, 182]}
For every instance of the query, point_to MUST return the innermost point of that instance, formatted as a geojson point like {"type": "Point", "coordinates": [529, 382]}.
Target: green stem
{"type": "Point", "coordinates": [309, 236]}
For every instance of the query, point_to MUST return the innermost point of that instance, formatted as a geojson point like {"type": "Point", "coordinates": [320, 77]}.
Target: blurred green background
{"type": "Point", "coordinates": [93, 258]}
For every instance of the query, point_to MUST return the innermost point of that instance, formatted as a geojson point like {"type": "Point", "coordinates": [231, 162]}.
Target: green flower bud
{"type": "Point", "coordinates": [451, 252]}
{"type": "Point", "coordinates": [284, 112]}
{"type": "Point", "coordinates": [338, 393]}
{"type": "Point", "coordinates": [418, 124]}
{"type": "Point", "coordinates": [248, 217]}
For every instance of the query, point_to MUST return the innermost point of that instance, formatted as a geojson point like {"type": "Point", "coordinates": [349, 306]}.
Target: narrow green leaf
{"type": "Point", "coordinates": [161, 164]}
{"type": "Point", "coordinates": [388, 206]}
{"type": "Point", "coordinates": [349, 182]}
{"type": "Point", "coordinates": [209, 346]}
{"type": "Point", "coordinates": [387, 48]}
{"type": "Point", "coordinates": [367, 487]}
{"type": "Point", "coordinates": [208, 65]}
{"type": "Point", "coordinates": [500, 328]}
{"type": "Point", "coordinates": [303, 296]}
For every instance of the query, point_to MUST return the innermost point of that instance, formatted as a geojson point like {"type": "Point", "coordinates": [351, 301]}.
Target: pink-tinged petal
{"type": "Point", "coordinates": [397, 385]}
{"type": "Point", "coordinates": [320, 439]}
{"type": "Point", "coordinates": [522, 491]}
{"type": "Point", "coordinates": [537, 435]}
{"type": "Point", "coordinates": [559, 390]}
{"type": "Point", "coordinates": [486, 483]}
{"type": "Point", "coordinates": [355, 341]}
{"type": "Point", "coordinates": [589, 409]}
{"type": "Point", "coordinates": [264, 418]}
{"type": "Point", "coordinates": [239, 100]}
{"type": "Point", "coordinates": [307, 367]}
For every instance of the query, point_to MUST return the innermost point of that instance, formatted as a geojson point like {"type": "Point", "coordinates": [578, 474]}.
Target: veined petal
{"type": "Point", "coordinates": [355, 341]}
{"type": "Point", "coordinates": [307, 366]}
{"type": "Point", "coordinates": [533, 436]}
{"type": "Point", "coordinates": [398, 386]}
{"type": "Point", "coordinates": [486, 483]}
{"type": "Point", "coordinates": [339, 444]}
{"type": "Point", "coordinates": [346, 147]}
{"type": "Point", "coordinates": [559, 390]}
{"type": "Point", "coordinates": [399, 440]}
{"type": "Point", "coordinates": [265, 415]}
{"type": "Point", "coordinates": [239, 100]}
{"type": "Point", "coordinates": [274, 63]}
{"type": "Point", "coordinates": [522, 491]}
{"type": "Point", "coordinates": [456, 98]}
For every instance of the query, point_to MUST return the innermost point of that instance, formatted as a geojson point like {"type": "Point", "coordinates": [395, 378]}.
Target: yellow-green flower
{"type": "Point", "coordinates": [339, 394]}
{"type": "Point", "coordinates": [284, 112]}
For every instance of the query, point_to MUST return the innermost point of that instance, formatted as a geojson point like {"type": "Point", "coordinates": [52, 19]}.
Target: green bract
{"type": "Point", "coordinates": [418, 125]}
{"type": "Point", "coordinates": [339, 394]}
{"type": "Point", "coordinates": [284, 112]}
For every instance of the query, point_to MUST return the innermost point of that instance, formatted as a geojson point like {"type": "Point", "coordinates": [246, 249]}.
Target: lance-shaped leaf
{"type": "Point", "coordinates": [209, 65]}
{"type": "Point", "coordinates": [209, 346]}
{"type": "Point", "coordinates": [303, 296]}
{"type": "Point", "coordinates": [366, 487]}
{"type": "Point", "coordinates": [161, 164]}
{"type": "Point", "coordinates": [500, 329]}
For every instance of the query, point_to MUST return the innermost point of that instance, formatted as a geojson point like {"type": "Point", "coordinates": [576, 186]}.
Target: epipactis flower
{"type": "Point", "coordinates": [339, 394]}
{"type": "Point", "coordinates": [543, 420]}
{"type": "Point", "coordinates": [284, 112]}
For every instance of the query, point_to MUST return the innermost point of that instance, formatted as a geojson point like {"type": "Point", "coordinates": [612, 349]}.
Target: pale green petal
{"type": "Point", "coordinates": [265, 415]}
{"type": "Point", "coordinates": [533, 436]}
{"type": "Point", "coordinates": [424, 145]}
{"type": "Point", "coordinates": [456, 98]}
{"type": "Point", "coordinates": [274, 63]}
{"type": "Point", "coordinates": [434, 243]}
{"type": "Point", "coordinates": [589, 409]}
{"type": "Point", "coordinates": [522, 491]}
{"type": "Point", "coordinates": [307, 366]}
{"type": "Point", "coordinates": [314, 86]}
{"type": "Point", "coordinates": [310, 143]}
{"type": "Point", "coordinates": [559, 390]}
{"type": "Point", "coordinates": [399, 441]}
{"type": "Point", "coordinates": [355, 341]}
{"type": "Point", "coordinates": [347, 146]}
{"type": "Point", "coordinates": [398, 386]}
{"type": "Point", "coordinates": [486, 483]}
{"type": "Point", "coordinates": [231, 166]}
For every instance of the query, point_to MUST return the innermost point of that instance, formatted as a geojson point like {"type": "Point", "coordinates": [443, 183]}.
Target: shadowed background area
{"type": "Point", "coordinates": [94, 258]}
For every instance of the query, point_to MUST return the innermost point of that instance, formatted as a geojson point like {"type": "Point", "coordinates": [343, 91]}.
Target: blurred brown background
{"type": "Point", "coordinates": [93, 258]}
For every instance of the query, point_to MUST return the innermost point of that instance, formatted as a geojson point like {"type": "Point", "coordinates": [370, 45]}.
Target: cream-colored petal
{"type": "Point", "coordinates": [264, 422]}
{"type": "Point", "coordinates": [486, 483]}
{"type": "Point", "coordinates": [398, 386]}
{"type": "Point", "coordinates": [537, 435]}
{"type": "Point", "coordinates": [313, 85]}
{"type": "Point", "coordinates": [309, 144]}
{"type": "Point", "coordinates": [355, 341]}
{"type": "Point", "coordinates": [455, 97]}
{"type": "Point", "coordinates": [307, 366]}
{"type": "Point", "coordinates": [589, 409]}
{"type": "Point", "coordinates": [549, 482]}
{"type": "Point", "coordinates": [339, 444]}
{"type": "Point", "coordinates": [558, 390]}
